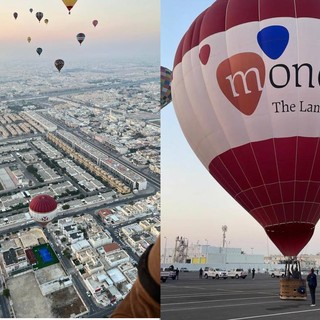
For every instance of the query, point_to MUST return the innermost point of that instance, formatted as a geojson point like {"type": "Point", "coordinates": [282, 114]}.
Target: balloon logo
{"type": "Point", "coordinates": [245, 71]}
{"type": "Point", "coordinates": [273, 41]}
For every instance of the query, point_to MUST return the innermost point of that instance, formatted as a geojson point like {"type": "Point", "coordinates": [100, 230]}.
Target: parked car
{"type": "Point", "coordinates": [277, 273]}
{"type": "Point", "coordinates": [167, 273]}
{"type": "Point", "coordinates": [237, 273]}
{"type": "Point", "coordinates": [215, 273]}
{"type": "Point", "coordinates": [183, 269]}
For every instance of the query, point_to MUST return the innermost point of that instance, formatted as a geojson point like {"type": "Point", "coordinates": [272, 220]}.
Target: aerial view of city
{"type": "Point", "coordinates": [79, 154]}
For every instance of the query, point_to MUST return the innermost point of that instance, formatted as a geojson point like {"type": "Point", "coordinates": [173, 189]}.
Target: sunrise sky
{"type": "Point", "coordinates": [125, 28]}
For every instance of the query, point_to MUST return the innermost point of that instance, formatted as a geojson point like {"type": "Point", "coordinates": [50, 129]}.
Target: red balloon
{"type": "Point", "coordinates": [246, 92]}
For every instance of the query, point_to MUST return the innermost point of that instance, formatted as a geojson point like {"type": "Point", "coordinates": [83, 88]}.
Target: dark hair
{"type": "Point", "coordinates": [312, 270]}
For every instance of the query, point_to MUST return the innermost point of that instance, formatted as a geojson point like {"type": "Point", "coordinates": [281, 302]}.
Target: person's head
{"type": "Point", "coordinates": [312, 270]}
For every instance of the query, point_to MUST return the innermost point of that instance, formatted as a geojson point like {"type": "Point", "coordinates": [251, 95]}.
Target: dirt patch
{"type": "Point", "coordinates": [28, 301]}
{"type": "Point", "coordinates": [66, 302]}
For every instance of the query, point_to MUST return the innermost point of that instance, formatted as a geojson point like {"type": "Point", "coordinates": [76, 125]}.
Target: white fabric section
{"type": "Point", "coordinates": [38, 216]}
{"type": "Point", "coordinates": [212, 125]}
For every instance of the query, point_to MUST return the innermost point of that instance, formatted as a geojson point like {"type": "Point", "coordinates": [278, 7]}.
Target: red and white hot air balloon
{"type": "Point", "coordinates": [43, 208]}
{"type": "Point", "coordinates": [246, 91]}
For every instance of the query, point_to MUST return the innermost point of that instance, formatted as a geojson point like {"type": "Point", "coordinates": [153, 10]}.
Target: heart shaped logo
{"type": "Point", "coordinates": [273, 41]}
{"type": "Point", "coordinates": [241, 78]}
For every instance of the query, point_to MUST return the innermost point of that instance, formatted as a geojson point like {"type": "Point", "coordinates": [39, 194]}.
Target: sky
{"type": "Point", "coordinates": [125, 28]}
{"type": "Point", "coordinates": [193, 204]}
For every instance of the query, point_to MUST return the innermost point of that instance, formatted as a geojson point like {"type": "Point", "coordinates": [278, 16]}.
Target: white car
{"type": "Point", "coordinates": [277, 273]}
{"type": "Point", "coordinates": [215, 273]}
{"type": "Point", "coordinates": [237, 273]}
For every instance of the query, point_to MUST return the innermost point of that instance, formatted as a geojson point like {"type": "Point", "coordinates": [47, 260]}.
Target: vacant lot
{"type": "Point", "coordinates": [28, 301]}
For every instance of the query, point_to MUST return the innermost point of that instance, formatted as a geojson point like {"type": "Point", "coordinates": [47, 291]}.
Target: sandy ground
{"type": "Point", "coordinates": [28, 301]}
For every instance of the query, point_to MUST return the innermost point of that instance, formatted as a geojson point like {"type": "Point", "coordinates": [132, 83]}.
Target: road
{"type": "Point", "coordinates": [192, 298]}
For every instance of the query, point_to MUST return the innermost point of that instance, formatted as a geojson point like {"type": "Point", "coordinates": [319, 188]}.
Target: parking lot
{"type": "Point", "coordinates": [231, 299]}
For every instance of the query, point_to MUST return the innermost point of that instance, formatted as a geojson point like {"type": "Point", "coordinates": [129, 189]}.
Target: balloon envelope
{"type": "Point", "coordinates": [95, 22]}
{"type": "Point", "coordinates": [42, 209]}
{"type": "Point", "coordinates": [59, 63]}
{"type": "Point", "coordinates": [31, 10]}
{"type": "Point", "coordinates": [46, 21]}
{"type": "Point", "coordinates": [15, 15]}
{"type": "Point", "coordinates": [29, 39]}
{"type": "Point", "coordinates": [39, 51]}
{"type": "Point", "coordinates": [39, 16]}
{"type": "Point", "coordinates": [246, 92]}
{"type": "Point", "coordinates": [165, 94]}
{"type": "Point", "coordinates": [69, 4]}
{"type": "Point", "coordinates": [80, 37]}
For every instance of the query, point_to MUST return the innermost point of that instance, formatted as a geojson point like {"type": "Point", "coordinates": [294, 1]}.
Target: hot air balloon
{"type": "Point", "coordinates": [15, 15]}
{"type": "Point", "coordinates": [165, 94]}
{"type": "Point", "coordinates": [59, 63]}
{"type": "Point", "coordinates": [95, 22]}
{"type": "Point", "coordinates": [81, 37]}
{"type": "Point", "coordinates": [39, 51]}
{"type": "Point", "coordinates": [42, 209]}
{"type": "Point", "coordinates": [29, 39]}
{"type": "Point", "coordinates": [39, 16]}
{"type": "Point", "coordinates": [31, 10]}
{"type": "Point", "coordinates": [246, 93]}
{"type": "Point", "coordinates": [46, 21]}
{"type": "Point", "coordinates": [69, 4]}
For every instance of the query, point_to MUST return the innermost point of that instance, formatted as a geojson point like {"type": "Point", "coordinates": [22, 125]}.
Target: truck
{"type": "Point", "coordinates": [214, 273]}
{"type": "Point", "coordinates": [237, 273]}
{"type": "Point", "coordinates": [277, 273]}
{"type": "Point", "coordinates": [167, 274]}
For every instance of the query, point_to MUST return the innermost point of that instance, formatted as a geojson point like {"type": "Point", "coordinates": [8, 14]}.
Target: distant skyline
{"type": "Point", "coordinates": [126, 28]}
{"type": "Point", "coordinates": [193, 204]}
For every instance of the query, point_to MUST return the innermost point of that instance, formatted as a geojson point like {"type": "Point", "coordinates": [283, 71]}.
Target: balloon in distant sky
{"type": "Point", "coordinates": [29, 39]}
{"type": "Point", "coordinates": [80, 37]}
{"type": "Point", "coordinates": [95, 22]}
{"type": "Point", "coordinates": [59, 63]}
{"type": "Point", "coordinates": [46, 21]}
{"type": "Point", "coordinates": [43, 208]}
{"type": "Point", "coordinates": [39, 16]}
{"type": "Point", "coordinates": [31, 10]}
{"type": "Point", "coordinates": [69, 4]}
{"type": "Point", "coordinates": [15, 15]}
{"type": "Point", "coordinates": [246, 91]}
{"type": "Point", "coordinates": [165, 94]}
{"type": "Point", "coordinates": [39, 51]}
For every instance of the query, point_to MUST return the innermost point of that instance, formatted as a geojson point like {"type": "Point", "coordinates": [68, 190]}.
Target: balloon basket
{"type": "Point", "coordinates": [290, 289]}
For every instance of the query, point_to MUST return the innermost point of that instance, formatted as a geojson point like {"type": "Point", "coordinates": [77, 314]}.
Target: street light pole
{"type": "Point", "coordinates": [165, 250]}
{"type": "Point", "coordinates": [206, 250]}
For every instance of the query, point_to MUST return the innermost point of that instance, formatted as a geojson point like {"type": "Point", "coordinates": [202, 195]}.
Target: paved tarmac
{"type": "Point", "coordinates": [231, 299]}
